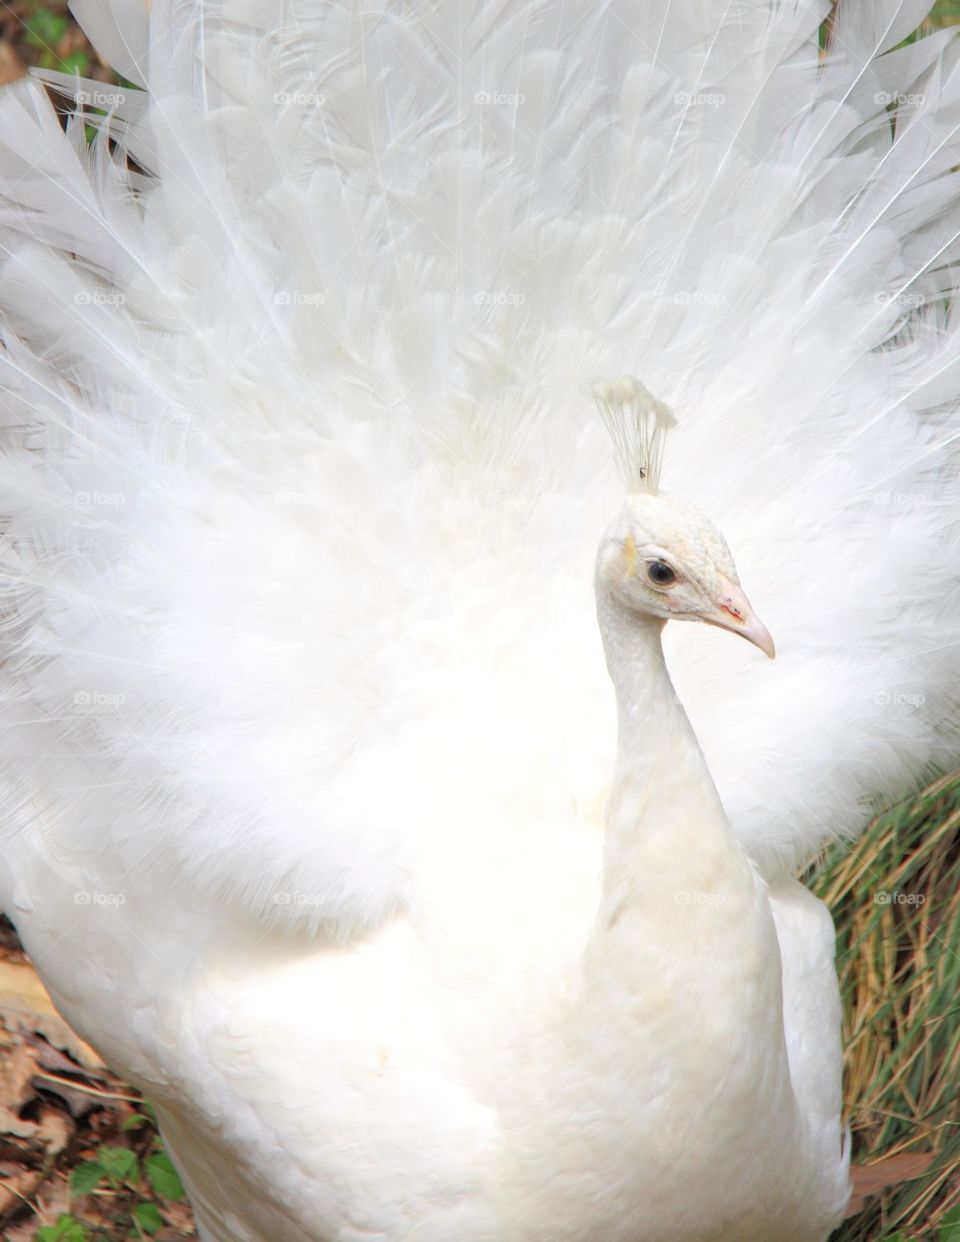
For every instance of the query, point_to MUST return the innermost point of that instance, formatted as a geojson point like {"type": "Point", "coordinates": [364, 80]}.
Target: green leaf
{"type": "Point", "coordinates": [45, 29]}
{"type": "Point", "coordinates": [135, 1121]}
{"type": "Point", "coordinates": [86, 1176]}
{"type": "Point", "coordinates": [163, 1177]}
{"type": "Point", "coordinates": [65, 1230]}
{"type": "Point", "coordinates": [147, 1216]}
{"type": "Point", "coordinates": [77, 62]}
{"type": "Point", "coordinates": [950, 1226]}
{"type": "Point", "coordinates": [119, 1164]}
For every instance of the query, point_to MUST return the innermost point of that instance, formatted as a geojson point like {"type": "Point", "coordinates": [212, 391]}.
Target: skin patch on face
{"type": "Point", "coordinates": [630, 554]}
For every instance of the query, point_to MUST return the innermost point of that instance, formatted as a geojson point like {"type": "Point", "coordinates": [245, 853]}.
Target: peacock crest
{"type": "Point", "coordinates": [638, 424]}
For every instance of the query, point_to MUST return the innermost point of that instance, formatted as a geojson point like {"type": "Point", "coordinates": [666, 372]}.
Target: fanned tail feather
{"type": "Point", "coordinates": [298, 464]}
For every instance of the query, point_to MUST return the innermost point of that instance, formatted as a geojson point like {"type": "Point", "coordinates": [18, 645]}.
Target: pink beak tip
{"type": "Point", "coordinates": [744, 622]}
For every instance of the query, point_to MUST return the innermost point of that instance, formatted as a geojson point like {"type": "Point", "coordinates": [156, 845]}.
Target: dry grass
{"type": "Point", "coordinates": [896, 901]}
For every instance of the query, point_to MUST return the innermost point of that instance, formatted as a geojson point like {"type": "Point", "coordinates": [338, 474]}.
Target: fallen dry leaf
{"type": "Point", "coordinates": [11, 66]}
{"type": "Point", "coordinates": [26, 1006]}
{"type": "Point", "coordinates": [870, 1179]}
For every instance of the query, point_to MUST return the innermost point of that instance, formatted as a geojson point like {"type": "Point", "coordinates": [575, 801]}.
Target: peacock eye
{"type": "Point", "coordinates": [660, 573]}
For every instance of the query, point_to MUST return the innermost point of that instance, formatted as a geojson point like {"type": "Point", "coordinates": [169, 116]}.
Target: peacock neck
{"type": "Point", "coordinates": [665, 824]}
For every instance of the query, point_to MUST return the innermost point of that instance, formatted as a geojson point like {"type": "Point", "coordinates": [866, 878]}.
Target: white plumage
{"type": "Point", "coordinates": [309, 738]}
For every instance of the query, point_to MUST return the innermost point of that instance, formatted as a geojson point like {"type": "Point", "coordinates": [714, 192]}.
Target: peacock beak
{"type": "Point", "coordinates": [734, 613]}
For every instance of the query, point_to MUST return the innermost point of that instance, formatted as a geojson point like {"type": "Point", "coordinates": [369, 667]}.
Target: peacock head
{"type": "Point", "coordinates": [662, 557]}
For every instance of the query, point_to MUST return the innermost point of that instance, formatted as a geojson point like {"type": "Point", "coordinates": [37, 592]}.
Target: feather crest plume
{"type": "Point", "coordinates": [638, 424]}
